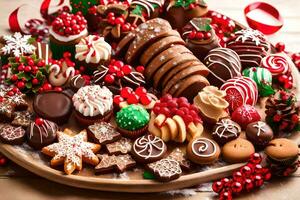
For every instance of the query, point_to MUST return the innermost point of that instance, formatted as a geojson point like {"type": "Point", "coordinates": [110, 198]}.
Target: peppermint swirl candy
{"type": "Point", "coordinates": [204, 147]}
{"type": "Point", "coordinates": [276, 64]}
{"type": "Point", "coordinates": [149, 146]}
{"type": "Point", "coordinates": [93, 49]}
{"type": "Point", "coordinates": [93, 100]}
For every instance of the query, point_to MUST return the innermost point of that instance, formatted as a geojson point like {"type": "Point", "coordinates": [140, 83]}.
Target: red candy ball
{"type": "Point", "coordinates": [225, 195]}
{"type": "Point", "coordinates": [236, 187]}
{"type": "Point", "coordinates": [280, 47]}
{"type": "Point", "coordinates": [145, 99]}
{"type": "Point", "coordinates": [248, 184]}
{"type": "Point", "coordinates": [246, 171]}
{"type": "Point", "coordinates": [39, 121]}
{"type": "Point", "coordinates": [217, 186]}
{"type": "Point", "coordinates": [125, 92]}
{"type": "Point", "coordinates": [133, 99]}
{"type": "Point", "coordinates": [255, 158]}
{"type": "Point", "coordinates": [118, 99]}
{"type": "Point", "coordinates": [140, 91]}
{"type": "Point", "coordinates": [245, 115]}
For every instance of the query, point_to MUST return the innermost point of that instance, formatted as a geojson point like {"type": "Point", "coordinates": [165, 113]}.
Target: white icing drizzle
{"type": "Point", "coordinates": [166, 167]}
{"type": "Point", "coordinates": [249, 34]}
{"type": "Point", "coordinates": [93, 100]}
{"type": "Point", "coordinates": [72, 148]}
{"type": "Point", "coordinates": [67, 38]}
{"type": "Point", "coordinates": [227, 126]}
{"type": "Point", "coordinates": [43, 130]}
{"type": "Point", "coordinates": [260, 127]}
{"type": "Point", "coordinates": [92, 49]}
{"type": "Point", "coordinates": [147, 144]}
{"type": "Point", "coordinates": [204, 142]}
{"type": "Point", "coordinates": [11, 133]}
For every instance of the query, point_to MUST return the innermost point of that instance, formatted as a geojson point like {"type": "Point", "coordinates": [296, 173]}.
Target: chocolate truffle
{"type": "Point", "coordinates": [259, 133]}
{"type": "Point", "coordinates": [41, 133]}
{"type": "Point", "coordinates": [200, 38]}
{"type": "Point", "coordinates": [77, 82]}
{"type": "Point", "coordinates": [223, 64]}
{"type": "Point", "coordinates": [251, 45]}
{"type": "Point", "coordinates": [226, 130]}
{"type": "Point", "coordinates": [54, 106]}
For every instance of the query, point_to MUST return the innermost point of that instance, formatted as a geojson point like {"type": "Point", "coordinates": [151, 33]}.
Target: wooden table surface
{"type": "Point", "coordinates": [17, 183]}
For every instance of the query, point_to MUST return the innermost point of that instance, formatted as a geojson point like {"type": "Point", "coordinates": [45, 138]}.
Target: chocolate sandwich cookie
{"type": "Point", "coordinates": [226, 130]}
{"type": "Point", "coordinates": [203, 151]}
{"type": "Point", "coordinates": [159, 47]}
{"type": "Point", "coordinates": [163, 58]}
{"type": "Point", "coordinates": [148, 148]}
{"type": "Point", "coordinates": [54, 106]}
{"type": "Point", "coordinates": [103, 133]}
{"type": "Point", "coordinates": [237, 151]}
{"type": "Point", "coordinates": [189, 87]}
{"type": "Point", "coordinates": [259, 133]}
{"type": "Point", "coordinates": [192, 70]}
{"type": "Point", "coordinates": [12, 135]}
{"type": "Point", "coordinates": [41, 133]}
{"type": "Point", "coordinates": [282, 151]}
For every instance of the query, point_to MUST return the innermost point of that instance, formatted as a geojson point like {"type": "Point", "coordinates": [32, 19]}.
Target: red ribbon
{"type": "Point", "coordinates": [259, 25]}
{"type": "Point", "coordinates": [44, 10]}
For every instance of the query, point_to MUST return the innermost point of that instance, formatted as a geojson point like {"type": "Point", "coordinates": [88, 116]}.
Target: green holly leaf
{"type": "Point", "coordinates": [23, 59]}
{"type": "Point", "coordinates": [138, 10]}
{"type": "Point", "coordinates": [28, 85]}
{"type": "Point", "coordinates": [201, 24]}
{"type": "Point", "coordinates": [39, 75]}
{"type": "Point", "coordinates": [31, 40]}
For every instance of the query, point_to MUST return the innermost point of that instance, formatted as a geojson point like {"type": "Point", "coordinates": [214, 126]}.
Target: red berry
{"type": "Point", "coordinates": [10, 93]}
{"type": "Point", "coordinates": [21, 67]}
{"type": "Point", "coordinates": [192, 34]}
{"type": "Point", "coordinates": [156, 110]}
{"type": "Point", "coordinates": [20, 84]}
{"type": "Point", "coordinates": [140, 91]}
{"type": "Point", "coordinates": [67, 54]}
{"type": "Point", "coordinates": [166, 98]}
{"type": "Point", "coordinates": [182, 100]}
{"type": "Point", "coordinates": [236, 187]}
{"type": "Point", "coordinates": [126, 69]}
{"type": "Point", "coordinates": [255, 158]}
{"type": "Point", "coordinates": [47, 87]}
{"type": "Point", "coordinates": [3, 161]}
{"type": "Point", "coordinates": [283, 78]}
{"type": "Point", "coordinates": [109, 78]}
{"type": "Point", "coordinates": [225, 195]}
{"type": "Point", "coordinates": [246, 171]}
{"type": "Point", "coordinates": [248, 184]}
{"type": "Point", "coordinates": [258, 181]}
{"type": "Point", "coordinates": [126, 27]}
{"type": "Point", "coordinates": [188, 119]}
{"type": "Point", "coordinates": [172, 104]}
{"type": "Point", "coordinates": [165, 111]}
{"type": "Point", "coordinates": [35, 81]}
{"type": "Point", "coordinates": [119, 20]}
{"type": "Point", "coordinates": [192, 6]}
{"type": "Point", "coordinates": [226, 182]}
{"type": "Point", "coordinates": [110, 14]}
{"type": "Point", "coordinates": [133, 99]}
{"type": "Point", "coordinates": [34, 68]}
{"type": "Point", "coordinates": [184, 104]}
{"type": "Point", "coordinates": [207, 35]}
{"type": "Point", "coordinates": [39, 121]}
{"type": "Point", "coordinates": [140, 69]}
{"type": "Point", "coordinates": [82, 68]}
{"type": "Point", "coordinates": [145, 99]}
{"type": "Point", "coordinates": [112, 69]}
{"type": "Point", "coordinates": [237, 176]}
{"type": "Point", "coordinates": [15, 90]}
{"type": "Point", "coordinates": [58, 89]}
{"type": "Point", "coordinates": [119, 64]}
{"type": "Point", "coordinates": [180, 113]}
{"type": "Point", "coordinates": [30, 62]}
{"type": "Point", "coordinates": [14, 77]}
{"type": "Point", "coordinates": [185, 110]}
{"type": "Point", "coordinates": [125, 92]}
{"type": "Point", "coordinates": [199, 35]}
{"type": "Point", "coordinates": [280, 46]}
{"type": "Point", "coordinates": [118, 99]}
{"type": "Point", "coordinates": [217, 186]}
{"type": "Point", "coordinates": [27, 69]}
{"type": "Point", "coordinates": [120, 74]}
{"type": "Point", "coordinates": [288, 85]}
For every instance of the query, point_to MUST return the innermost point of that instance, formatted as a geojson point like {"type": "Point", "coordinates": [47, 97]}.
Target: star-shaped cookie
{"type": "Point", "coordinates": [114, 163]}
{"type": "Point", "coordinates": [71, 150]}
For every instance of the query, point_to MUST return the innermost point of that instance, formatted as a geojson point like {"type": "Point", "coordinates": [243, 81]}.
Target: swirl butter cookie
{"type": "Point", "coordinates": [203, 151]}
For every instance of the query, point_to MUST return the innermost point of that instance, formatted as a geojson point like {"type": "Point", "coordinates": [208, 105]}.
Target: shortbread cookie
{"type": "Point", "coordinates": [71, 150]}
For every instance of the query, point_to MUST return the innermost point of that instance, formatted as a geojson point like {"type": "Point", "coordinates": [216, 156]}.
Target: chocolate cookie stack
{"type": "Point", "coordinates": [169, 65]}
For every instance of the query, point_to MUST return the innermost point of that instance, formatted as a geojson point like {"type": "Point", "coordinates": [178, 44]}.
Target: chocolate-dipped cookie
{"type": "Point", "coordinates": [259, 133]}
{"type": "Point", "coordinates": [200, 38]}
{"type": "Point", "coordinates": [148, 148]}
{"type": "Point", "coordinates": [76, 82]}
{"type": "Point", "coordinates": [226, 130]}
{"type": "Point", "coordinates": [223, 64]}
{"type": "Point", "coordinates": [12, 135]}
{"type": "Point", "coordinates": [103, 133]}
{"type": "Point", "coordinates": [53, 106]}
{"type": "Point", "coordinates": [203, 151]}
{"type": "Point", "coordinates": [41, 133]}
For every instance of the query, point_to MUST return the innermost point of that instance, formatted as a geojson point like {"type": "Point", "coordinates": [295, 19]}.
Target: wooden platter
{"type": "Point", "coordinates": [131, 181]}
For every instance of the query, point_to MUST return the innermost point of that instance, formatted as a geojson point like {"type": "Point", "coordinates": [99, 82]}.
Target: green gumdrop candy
{"type": "Point", "coordinates": [263, 79]}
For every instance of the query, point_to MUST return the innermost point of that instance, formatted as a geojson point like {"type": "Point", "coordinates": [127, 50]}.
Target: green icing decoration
{"type": "Point", "coordinates": [138, 10]}
{"type": "Point", "coordinates": [82, 5]}
{"type": "Point", "coordinates": [148, 175]}
{"type": "Point", "coordinates": [263, 79]}
{"type": "Point", "coordinates": [184, 3]}
{"type": "Point", "coordinates": [132, 117]}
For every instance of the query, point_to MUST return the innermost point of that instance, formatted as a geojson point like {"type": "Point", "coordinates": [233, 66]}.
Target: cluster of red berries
{"type": "Point", "coordinates": [199, 35]}
{"type": "Point", "coordinates": [250, 176]}
{"type": "Point", "coordinates": [139, 95]}
{"type": "Point", "coordinates": [37, 29]}
{"type": "Point", "coordinates": [120, 20]}
{"type": "Point", "coordinates": [3, 160]}
{"type": "Point", "coordinates": [296, 59]}
{"type": "Point", "coordinates": [117, 69]}
{"type": "Point", "coordinates": [69, 24]}
{"type": "Point", "coordinates": [170, 107]}
{"type": "Point", "coordinates": [223, 26]}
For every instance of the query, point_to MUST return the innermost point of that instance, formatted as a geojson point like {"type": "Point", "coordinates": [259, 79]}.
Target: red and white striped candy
{"type": "Point", "coordinates": [276, 64]}
{"type": "Point", "coordinates": [240, 91]}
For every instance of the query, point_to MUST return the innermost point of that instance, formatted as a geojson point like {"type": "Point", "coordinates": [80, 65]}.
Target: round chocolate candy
{"type": "Point", "coordinates": [77, 82]}
{"type": "Point", "coordinates": [259, 133]}
{"type": "Point", "coordinates": [226, 130]}
{"type": "Point", "coordinates": [54, 106]}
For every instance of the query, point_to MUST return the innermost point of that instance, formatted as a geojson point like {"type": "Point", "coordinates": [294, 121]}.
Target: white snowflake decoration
{"type": "Point", "coordinates": [18, 45]}
{"type": "Point", "coordinates": [249, 34]}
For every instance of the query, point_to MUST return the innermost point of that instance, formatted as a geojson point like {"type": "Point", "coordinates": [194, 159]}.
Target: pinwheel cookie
{"type": "Point", "coordinates": [175, 119]}
{"type": "Point", "coordinates": [71, 150]}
